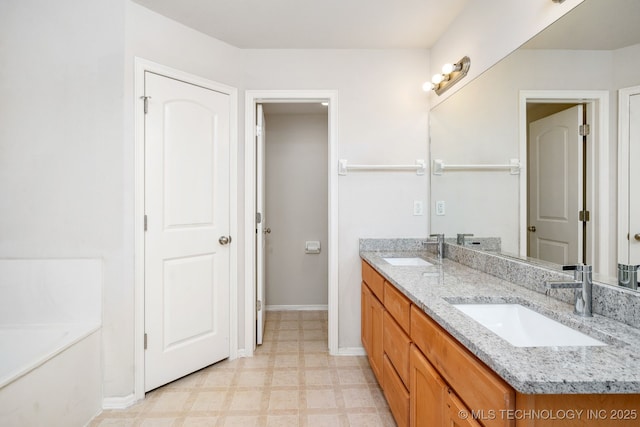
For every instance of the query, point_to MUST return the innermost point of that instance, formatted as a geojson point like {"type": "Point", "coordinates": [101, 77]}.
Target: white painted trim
{"type": "Point", "coordinates": [119, 402]}
{"type": "Point", "coordinates": [240, 353]}
{"type": "Point", "coordinates": [598, 159]}
{"type": "Point", "coordinates": [624, 96]}
{"type": "Point", "coordinates": [351, 351]}
{"type": "Point", "coordinates": [141, 66]}
{"type": "Point", "coordinates": [252, 97]}
{"type": "Point", "coordinates": [316, 307]}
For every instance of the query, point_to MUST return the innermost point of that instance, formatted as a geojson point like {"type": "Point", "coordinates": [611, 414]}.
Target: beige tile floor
{"type": "Point", "coordinates": [290, 381]}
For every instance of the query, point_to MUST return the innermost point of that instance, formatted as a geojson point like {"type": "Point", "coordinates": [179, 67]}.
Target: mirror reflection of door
{"type": "Point", "coordinates": [556, 183]}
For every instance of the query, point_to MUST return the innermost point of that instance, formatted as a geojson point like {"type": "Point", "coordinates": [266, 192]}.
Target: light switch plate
{"type": "Point", "coordinates": [440, 207]}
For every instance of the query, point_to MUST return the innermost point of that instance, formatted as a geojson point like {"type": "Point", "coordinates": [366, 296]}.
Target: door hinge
{"type": "Point", "coordinates": [258, 130]}
{"type": "Point", "coordinates": [258, 305]}
{"type": "Point", "coordinates": [145, 223]}
{"type": "Point", "coordinates": [584, 216]}
{"type": "Point", "coordinates": [258, 217]}
{"type": "Point", "coordinates": [145, 340]}
{"type": "Point", "coordinates": [585, 130]}
{"type": "Point", "coordinates": [145, 99]}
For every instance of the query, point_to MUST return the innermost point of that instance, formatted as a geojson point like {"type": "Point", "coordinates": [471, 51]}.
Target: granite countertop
{"type": "Point", "coordinates": [610, 369]}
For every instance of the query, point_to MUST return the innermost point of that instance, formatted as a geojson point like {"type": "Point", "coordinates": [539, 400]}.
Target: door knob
{"type": "Point", "coordinates": [267, 230]}
{"type": "Point", "coordinates": [532, 228]}
{"type": "Point", "coordinates": [637, 236]}
{"type": "Point", "coordinates": [224, 240]}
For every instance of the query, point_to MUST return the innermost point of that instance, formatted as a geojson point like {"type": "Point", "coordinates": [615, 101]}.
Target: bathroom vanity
{"type": "Point", "coordinates": [438, 366]}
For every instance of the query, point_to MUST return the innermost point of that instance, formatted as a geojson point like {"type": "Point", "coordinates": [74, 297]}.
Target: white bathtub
{"type": "Point", "coordinates": [50, 342]}
{"type": "Point", "coordinates": [24, 348]}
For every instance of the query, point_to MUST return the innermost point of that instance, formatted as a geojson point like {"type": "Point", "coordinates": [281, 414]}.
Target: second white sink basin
{"type": "Point", "coordinates": [523, 327]}
{"type": "Point", "coordinates": [409, 261]}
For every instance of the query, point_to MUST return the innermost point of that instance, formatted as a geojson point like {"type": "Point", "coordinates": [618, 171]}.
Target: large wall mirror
{"type": "Point", "coordinates": [562, 205]}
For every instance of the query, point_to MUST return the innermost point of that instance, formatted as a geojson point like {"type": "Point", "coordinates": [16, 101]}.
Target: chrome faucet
{"type": "Point", "coordinates": [582, 283]}
{"type": "Point", "coordinates": [439, 241]}
{"type": "Point", "coordinates": [628, 275]}
{"type": "Point", "coordinates": [461, 238]}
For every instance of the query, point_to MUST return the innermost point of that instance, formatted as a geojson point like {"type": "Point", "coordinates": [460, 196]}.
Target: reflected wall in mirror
{"type": "Point", "coordinates": [582, 61]}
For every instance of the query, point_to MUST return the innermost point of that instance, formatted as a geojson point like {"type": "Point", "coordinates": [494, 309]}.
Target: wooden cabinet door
{"type": "Point", "coordinates": [365, 318]}
{"type": "Point", "coordinates": [376, 312]}
{"type": "Point", "coordinates": [427, 392]}
{"type": "Point", "coordinates": [371, 329]}
{"type": "Point", "coordinates": [456, 414]}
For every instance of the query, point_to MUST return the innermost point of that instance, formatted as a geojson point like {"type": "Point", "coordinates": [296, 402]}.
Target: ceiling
{"type": "Point", "coordinates": [315, 24]}
{"type": "Point", "coordinates": [593, 25]}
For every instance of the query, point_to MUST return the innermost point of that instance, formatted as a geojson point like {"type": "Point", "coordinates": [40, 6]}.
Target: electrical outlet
{"type": "Point", "coordinates": [440, 207]}
{"type": "Point", "coordinates": [418, 208]}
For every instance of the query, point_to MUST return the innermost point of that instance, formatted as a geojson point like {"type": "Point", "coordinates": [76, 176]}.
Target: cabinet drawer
{"type": "Point", "coordinates": [398, 305]}
{"type": "Point", "coordinates": [374, 280]}
{"type": "Point", "coordinates": [396, 345]}
{"type": "Point", "coordinates": [396, 394]}
{"type": "Point", "coordinates": [477, 386]}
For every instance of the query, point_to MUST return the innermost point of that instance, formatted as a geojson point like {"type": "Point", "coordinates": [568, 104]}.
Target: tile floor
{"type": "Point", "coordinates": [290, 381]}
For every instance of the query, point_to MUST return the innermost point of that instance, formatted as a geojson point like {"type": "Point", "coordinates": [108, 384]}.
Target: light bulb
{"type": "Point", "coordinates": [448, 68]}
{"type": "Point", "coordinates": [427, 86]}
{"type": "Point", "coordinates": [437, 79]}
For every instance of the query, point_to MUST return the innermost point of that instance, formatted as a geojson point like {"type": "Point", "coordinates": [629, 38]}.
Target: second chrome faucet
{"type": "Point", "coordinates": [583, 285]}
{"type": "Point", "coordinates": [439, 242]}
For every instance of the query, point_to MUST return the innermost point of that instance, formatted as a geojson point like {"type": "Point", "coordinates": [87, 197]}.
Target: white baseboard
{"type": "Point", "coordinates": [350, 351]}
{"type": "Point", "coordinates": [118, 402]}
{"type": "Point", "coordinates": [240, 353]}
{"type": "Point", "coordinates": [318, 307]}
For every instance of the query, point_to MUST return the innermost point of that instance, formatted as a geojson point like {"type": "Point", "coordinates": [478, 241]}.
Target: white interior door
{"type": "Point", "coordinates": [261, 230]}
{"type": "Point", "coordinates": [187, 136]}
{"type": "Point", "coordinates": [555, 189]}
{"type": "Point", "coordinates": [634, 179]}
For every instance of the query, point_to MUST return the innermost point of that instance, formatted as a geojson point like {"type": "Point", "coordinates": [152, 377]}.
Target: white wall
{"type": "Point", "coordinates": [62, 175]}
{"type": "Point", "coordinates": [382, 118]}
{"type": "Point", "coordinates": [296, 208]}
{"type": "Point", "coordinates": [67, 164]}
{"type": "Point", "coordinates": [483, 32]}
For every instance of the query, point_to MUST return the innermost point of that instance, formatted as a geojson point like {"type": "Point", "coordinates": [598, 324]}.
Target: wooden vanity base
{"type": "Point", "coordinates": [588, 410]}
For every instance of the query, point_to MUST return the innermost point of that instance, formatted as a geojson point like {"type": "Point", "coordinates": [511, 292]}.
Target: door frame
{"type": "Point", "coordinates": [141, 66]}
{"type": "Point", "coordinates": [597, 102]}
{"type": "Point", "coordinates": [623, 236]}
{"type": "Point", "coordinates": [253, 97]}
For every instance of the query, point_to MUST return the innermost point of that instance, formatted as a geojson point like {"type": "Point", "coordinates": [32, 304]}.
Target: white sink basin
{"type": "Point", "coordinates": [413, 261]}
{"type": "Point", "coordinates": [523, 327]}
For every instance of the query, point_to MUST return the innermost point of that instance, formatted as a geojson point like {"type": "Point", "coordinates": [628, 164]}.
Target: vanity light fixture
{"type": "Point", "coordinates": [558, 1]}
{"type": "Point", "coordinates": [451, 73]}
